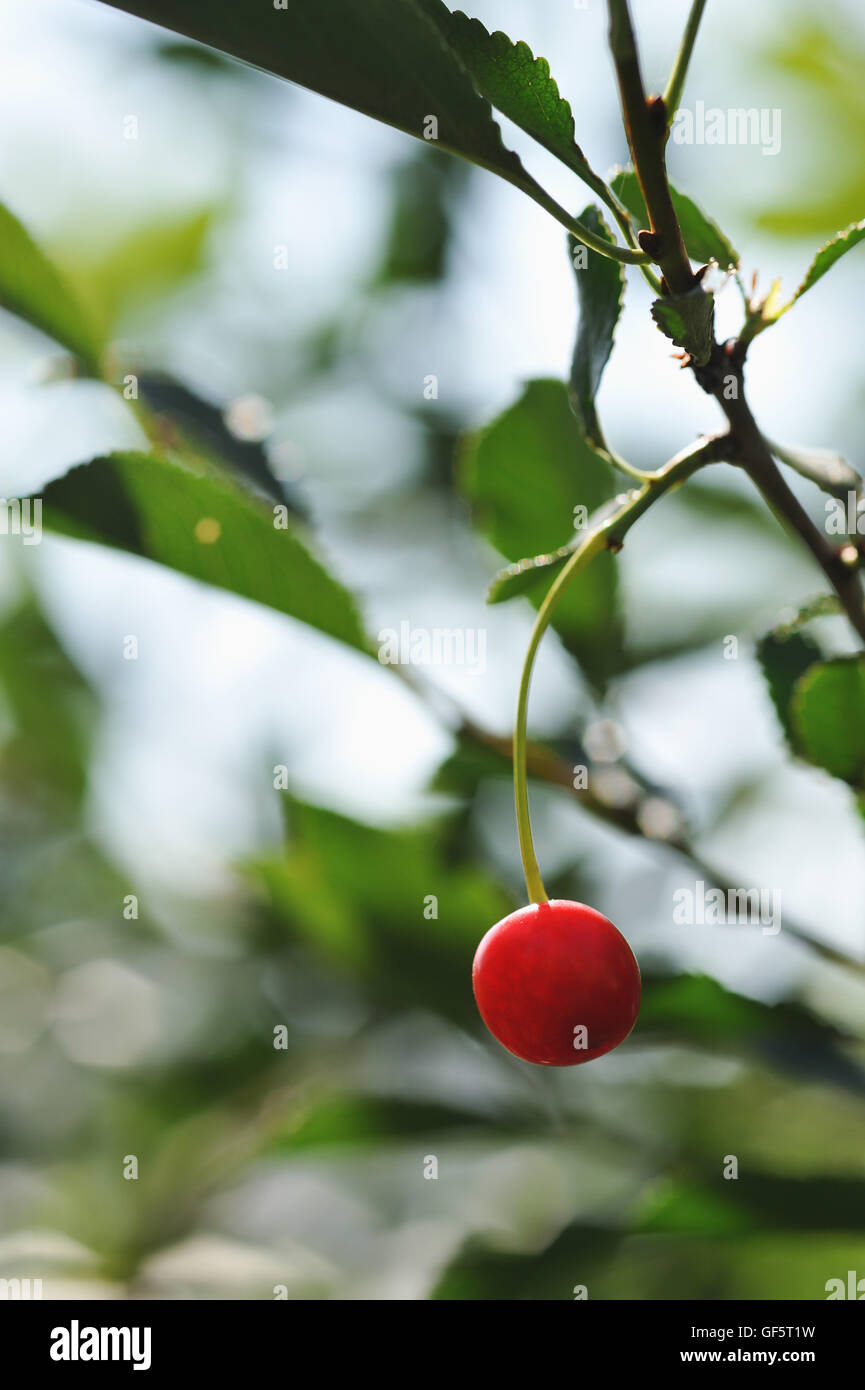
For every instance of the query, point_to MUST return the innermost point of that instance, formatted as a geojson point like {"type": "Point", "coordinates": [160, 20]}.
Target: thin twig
{"type": "Point", "coordinates": [675, 86]}
{"type": "Point", "coordinates": [544, 765]}
{"type": "Point", "coordinates": [754, 456]}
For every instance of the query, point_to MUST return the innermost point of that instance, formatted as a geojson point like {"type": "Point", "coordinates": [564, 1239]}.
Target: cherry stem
{"type": "Point", "coordinates": [608, 534]}
{"type": "Point", "coordinates": [593, 543]}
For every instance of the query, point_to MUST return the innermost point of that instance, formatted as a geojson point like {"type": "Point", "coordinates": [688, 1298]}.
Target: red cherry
{"type": "Point", "coordinates": [557, 983]}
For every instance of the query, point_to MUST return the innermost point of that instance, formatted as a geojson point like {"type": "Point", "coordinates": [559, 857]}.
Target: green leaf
{"type": "Point", "coordinates": [756, 1202]}
{"type": "Point", "coordinates": [525, 576]}
{"type": "Point", "coordinates": [141, 504]}
{"type": "Point", "coordinates": [424, 192]}
{"type": "Point", "coordinates": [47, 703]}
{"type": "Point", "coordinates": [199, 433]}
{"type": "Point", "coordinates": [385, 58]}
{"type": "Point", "coordinates": [828, 712]}
{"type": "Point", "coordinates": [140, 266]}
{"type": "Point", "coordinates": [357, 897]}
{"type": "Point", "coordinates": [353, 1122]}
{"type": "Point", "coordinates": [790, 1037]}
{"type": "Point", "coordinates": [828, 470]}
{"type": "Point", "coordinates": [601, 293]}
{"type": "Point", "coordinates": [516, 83]}
{"type": "Point", "coordinates": [525, 474]}
{"type": "Point", "coordinates": [821, 63]}
{"type": "Point", "coordinates": [785, 657]}
{"type": "Point", "coordinates": [689, 320]}
{"type": "Point", "coordinates": [32, 288]}
{"type": "Point", "coordinates": [703, 238]}
{"type": "Point", "coordinates": [825, 258]}
{"type": "Point", "coordinates": [482, 1272]}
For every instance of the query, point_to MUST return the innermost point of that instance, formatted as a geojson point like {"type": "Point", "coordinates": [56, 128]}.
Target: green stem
{"type": "Point", "coordinates": [608, 535]}
{"type": "Point", "coordinates": [675, 86]}
{"type": "Point", "coordinates": [627, 254]}
{"type": "Point", "coordinates": [626, 223]}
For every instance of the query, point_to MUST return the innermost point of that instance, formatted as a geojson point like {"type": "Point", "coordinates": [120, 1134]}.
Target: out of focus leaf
{"type": "Point", "coordinates": [698, 1009]}
{"type": "Point", "coordinates": [703, 238]}
{"type": "Point", "coordinates": [823, 62]}
{"type": "Point", "coordinates": [677, 1266]}
{"type": "Point", "coordinates": [424, 190]}
{"type": "Point", "coordinates": [525, 474]}
{"type": "Point", "coordinates": [828, 715]}
{"type": "Point", "coordinates": [361, 1121]}
{"type": "Point", "coordinates": [468, 765]}
{"type": "Point", "coordinates": [49, 705]}
{"type": "Point", "coordinates": [756, 1201]}
{"type": "Point", "coordinates": [575, 1258]}
{"type": "Point", "coordinates": [828, 470]}
{"type": "Point", "coordinates": [200, 426]}
{"type": "Point", "coordinates": [386, 906]}
{"type": "Point", "coordinates": [204, 528]}
{"type": "Point", "coordinates": [32, 288]}
{"type": "Point", "coordinates": [784, 657]}
{"type": "Point", "coordinates": [707, 501]}
{"type": "Point", "coordinates": [600, 292]}
{"type": "Point", "coordinates": [148, 262]}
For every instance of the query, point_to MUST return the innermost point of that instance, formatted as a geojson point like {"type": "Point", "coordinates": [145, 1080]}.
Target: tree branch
{"type": "Point", "coordinates": [753, 454]}
{"type": "Point", "coordinates": [646, 126]}
{"type": "Point", "coordinates": [544, 765]}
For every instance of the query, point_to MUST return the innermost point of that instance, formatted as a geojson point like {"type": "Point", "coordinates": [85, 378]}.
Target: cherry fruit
{"type": "Point", "coordinates": [556, 983]}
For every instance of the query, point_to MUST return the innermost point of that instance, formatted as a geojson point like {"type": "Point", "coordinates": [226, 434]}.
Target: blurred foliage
{"type": "Point", "coordinates": [824, 65]}
{"type": "Point", "coordinates": [425, 189]}
{"type": "Point", "coordinates": [145, 264]}
{"type": "Point", "coordinates": [538, 440]}
{"type": "Point", "coordinates": [31, 287]}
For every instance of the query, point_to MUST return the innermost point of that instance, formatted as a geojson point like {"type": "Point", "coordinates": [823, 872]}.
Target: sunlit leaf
{"type": "Point", "coordinates": [825, 258]}
{"type": "Point", "coordinates": [828, 713]}
{"type": "Point", "coordinates": [33, 289]}
{"type": "Point", "coordinates": [204, 528]}
{"type": "Point", "coordinates": [516, 83]}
